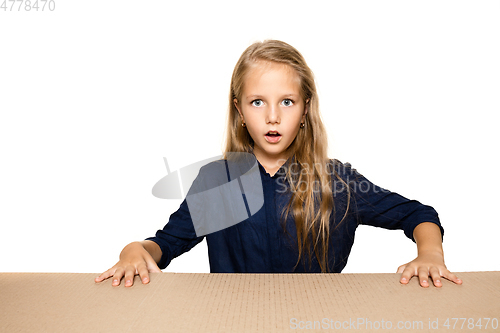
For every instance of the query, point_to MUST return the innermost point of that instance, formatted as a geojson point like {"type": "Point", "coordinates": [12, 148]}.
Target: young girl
{"type": "Point", "coordinates": [311, 204]}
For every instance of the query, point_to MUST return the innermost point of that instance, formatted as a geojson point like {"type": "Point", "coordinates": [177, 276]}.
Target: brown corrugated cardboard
{"type": "Point", "coordinates": [181, 302]}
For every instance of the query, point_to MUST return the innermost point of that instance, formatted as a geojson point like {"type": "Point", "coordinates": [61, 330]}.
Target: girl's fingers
{"type": "Point", "coordinates": [128, 270]}
{"type": "Point", "coordinates": [129, 276]}
{"type": "Point", "coordinates": [423, 276]}
{"type": "Point", "coordinates": [144, 268]}
{"type": "Point", "coordinates": [143, 273]}
{"type": "Point", "coordinates": [426, 272]}
{"type": "Point", "coordinates": [406, 275]}
{"type": "Point", "coordinates": [117, 276]}
{"type": "Point", "coordinates": [436, 277]}
{"type": "Point", "coordinates": [450, 276]}
{"type": "Point", "coordinates": [104, 276]}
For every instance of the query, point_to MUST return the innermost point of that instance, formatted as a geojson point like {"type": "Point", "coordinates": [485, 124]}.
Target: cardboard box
{"type": "Point", "coordinates": [181, 302]}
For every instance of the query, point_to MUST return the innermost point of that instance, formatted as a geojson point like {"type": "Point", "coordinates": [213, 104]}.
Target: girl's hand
{"type": "Point", "coordinates": [427, 265]}
{"type": "Point", "coordinates": [134, 260]}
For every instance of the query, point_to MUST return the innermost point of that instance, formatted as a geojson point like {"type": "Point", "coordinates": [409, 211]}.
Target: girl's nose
{"type": "Point", "coordinates": [273, 115]}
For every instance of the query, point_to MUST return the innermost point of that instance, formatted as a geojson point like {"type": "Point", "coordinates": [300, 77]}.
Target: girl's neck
{"type": "Point", "coordinates": [271, 165]}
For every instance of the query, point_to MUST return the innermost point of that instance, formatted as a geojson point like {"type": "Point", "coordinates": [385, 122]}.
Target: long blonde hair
{"type": "Point", "coordinates": [311, 208]}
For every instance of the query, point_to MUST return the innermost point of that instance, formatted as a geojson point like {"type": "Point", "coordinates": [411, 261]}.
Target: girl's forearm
{"type": "Point", "coordinates": [427, 235]}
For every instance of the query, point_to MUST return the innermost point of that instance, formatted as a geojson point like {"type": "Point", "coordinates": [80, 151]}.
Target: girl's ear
{"type": "Point", "coordinates": [306, 107]}
{"type": "Point", "coordinates": [235, 101]}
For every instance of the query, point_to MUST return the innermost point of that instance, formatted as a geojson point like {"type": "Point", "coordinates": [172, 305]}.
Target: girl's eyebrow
{"type": "Point", "coordinates": [260, 96]}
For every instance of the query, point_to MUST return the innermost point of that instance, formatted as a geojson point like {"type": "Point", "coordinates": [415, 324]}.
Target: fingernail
{"type": "Point", "coordinates": [438, 281]}
{"type": "Point", "coordinates": [424, 281]}
{"type": "Point", "coordinates": [403, 279]}
{"type": "Point", "coordinates": [145, 280]}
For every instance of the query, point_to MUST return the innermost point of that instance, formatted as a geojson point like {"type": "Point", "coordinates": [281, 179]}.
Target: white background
{"type": "Point", "coordinates": [94, 94]}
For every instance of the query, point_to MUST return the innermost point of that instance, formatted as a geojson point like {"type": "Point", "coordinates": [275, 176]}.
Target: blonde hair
{"type": "Point", "coordinates": [311, 208]}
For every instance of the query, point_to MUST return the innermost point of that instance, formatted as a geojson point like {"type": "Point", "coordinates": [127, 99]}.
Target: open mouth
{"type": "Point", "coordinates": [273, 136]}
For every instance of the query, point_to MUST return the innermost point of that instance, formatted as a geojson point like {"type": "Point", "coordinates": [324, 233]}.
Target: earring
{"type": "Point", "coordinates": [243, 125]}
{"type": "Point", "coordinates": [302, 125]}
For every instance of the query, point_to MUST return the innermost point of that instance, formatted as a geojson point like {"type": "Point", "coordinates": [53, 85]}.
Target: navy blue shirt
{"type": "Point", "coordinates": [260, 244]}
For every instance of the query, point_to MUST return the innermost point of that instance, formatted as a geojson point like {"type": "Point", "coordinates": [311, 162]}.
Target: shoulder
{"type": "Point", "coordinates": [204, 174]}
{"type": "Point", "coordinates": [214, 172]}
{"type": "Point", "coordinates": [233, 167]}
{"type": "Point", "coordinates": [342, 170]}
{"type": "Point", "coordinates": [228, 169]}
{"type": "Point", "coordinates": [213, 166]}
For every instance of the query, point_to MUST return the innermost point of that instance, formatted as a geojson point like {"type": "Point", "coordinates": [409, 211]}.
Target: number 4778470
{"type": "Point", "coordinates": [28, 5]}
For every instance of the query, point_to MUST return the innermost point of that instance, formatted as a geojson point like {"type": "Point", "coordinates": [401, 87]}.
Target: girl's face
{"type": "Point", "coordinates": [272, 109]}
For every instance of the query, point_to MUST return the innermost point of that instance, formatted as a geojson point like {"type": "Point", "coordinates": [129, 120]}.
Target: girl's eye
{"type": "Point", "coordinates": [287, 102]}
{"type": "Point", "coordinates": [257, 103]}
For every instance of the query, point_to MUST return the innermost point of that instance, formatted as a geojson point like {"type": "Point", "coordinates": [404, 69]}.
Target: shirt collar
{"type": "Point", "coordinates": [281, 171]}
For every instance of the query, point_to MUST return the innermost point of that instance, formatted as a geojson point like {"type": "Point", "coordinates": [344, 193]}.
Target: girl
{"type": "Point", "coordinates": [311, 204]}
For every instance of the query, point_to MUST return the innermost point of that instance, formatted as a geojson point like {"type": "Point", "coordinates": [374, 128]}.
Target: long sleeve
{"type": "Point", "coordinates": [178, 236]}
{"type": "Point", "coordinates": [210, 205]}
{"type": "Point", "coordinates": [379, 207]}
